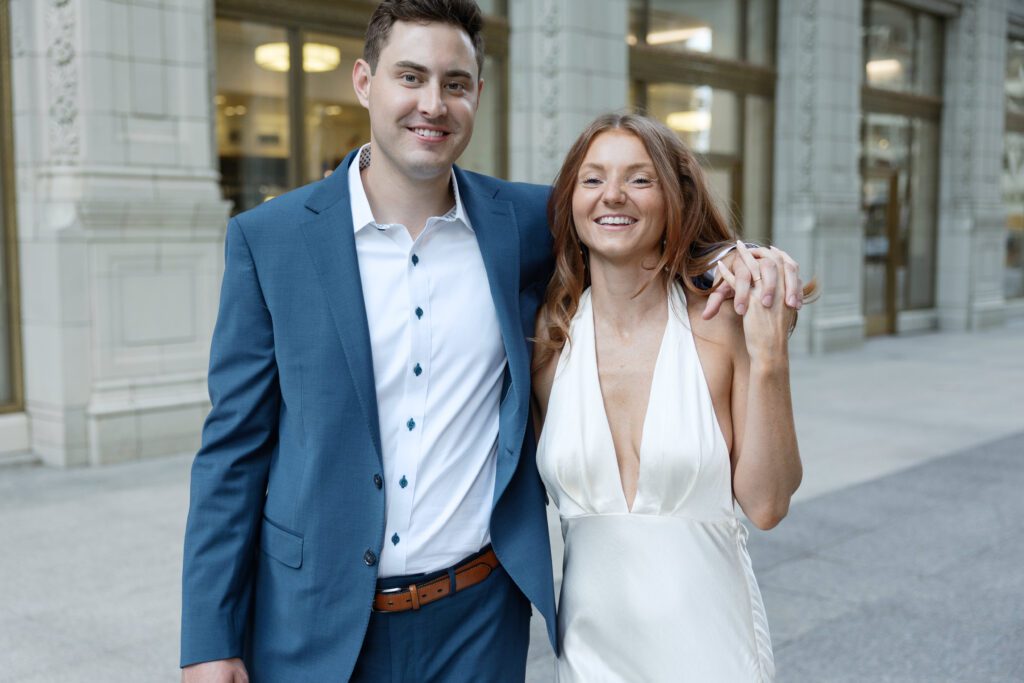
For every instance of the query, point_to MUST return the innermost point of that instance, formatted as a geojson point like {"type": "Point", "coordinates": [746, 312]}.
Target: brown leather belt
{"type": "Point", "coordinates": [415, 596]}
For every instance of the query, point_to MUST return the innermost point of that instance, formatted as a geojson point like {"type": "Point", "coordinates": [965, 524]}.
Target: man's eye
{"type": "Point", "coordinates": [409, 78]}
{"type": "Point", "coordinates": [457, 87]}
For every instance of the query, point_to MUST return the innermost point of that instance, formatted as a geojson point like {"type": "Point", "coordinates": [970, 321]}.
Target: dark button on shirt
{"type": "Point", "coordinates": [419, 312]}
{"type": "Point", "coordinates": [403, 482]}
{"type": "Point", "coordinates": [415, 259]}
{"type": "Point", "coordinates": [395, 539]}
{"type": "Point", "coordinates": [417, 370]}
{"type": "Point", "coordinates": [411, 424]}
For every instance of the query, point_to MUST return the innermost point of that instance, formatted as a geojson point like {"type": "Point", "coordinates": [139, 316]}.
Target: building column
{"type": "Point", "coordinates": [972, 230]}
{"type": "Point", "coordinates": [816, 216]}
{"type": "Point", "coordinates": [120, 224]}
{"type": "Point", "coordinates": [568, 62]}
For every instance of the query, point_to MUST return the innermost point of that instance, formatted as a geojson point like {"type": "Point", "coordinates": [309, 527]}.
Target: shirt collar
{"type": "Point", "coordinates": [362, 216]}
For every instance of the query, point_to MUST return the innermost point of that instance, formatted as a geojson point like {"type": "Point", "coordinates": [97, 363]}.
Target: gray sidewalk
{"type": "Point", "coordinates": [896, 563]}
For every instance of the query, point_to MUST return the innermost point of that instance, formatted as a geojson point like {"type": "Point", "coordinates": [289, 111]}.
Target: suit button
{"type": "Point", "coordinates": [370, 558]}
{"type": "Point", "coordinates": [377, 481]}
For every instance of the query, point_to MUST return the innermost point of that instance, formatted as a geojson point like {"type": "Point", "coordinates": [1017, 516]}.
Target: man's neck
{"type": "Point", "coordinates": [396, 198]}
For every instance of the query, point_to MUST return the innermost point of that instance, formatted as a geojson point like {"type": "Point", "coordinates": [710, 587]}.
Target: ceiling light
{"type": "Point", "coordinates": [883, 69]}
{"type": "Point", "coordinates": [316, 57]}
{"type": "Point", "coordinates": [698, 36]}
{"type": "Point", "coordinates": [689, 121]}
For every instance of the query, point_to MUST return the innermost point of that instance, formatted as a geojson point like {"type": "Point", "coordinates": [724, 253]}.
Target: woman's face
{"type": "Point", "coordinates": [617, 206]}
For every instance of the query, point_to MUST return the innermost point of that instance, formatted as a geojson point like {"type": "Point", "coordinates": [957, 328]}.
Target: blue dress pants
{"type": "Point", "coordinates": [478, 634]}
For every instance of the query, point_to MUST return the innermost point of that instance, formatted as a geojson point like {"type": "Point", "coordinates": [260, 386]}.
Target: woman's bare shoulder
{"type": "Point", "coordinates": [725, 329]}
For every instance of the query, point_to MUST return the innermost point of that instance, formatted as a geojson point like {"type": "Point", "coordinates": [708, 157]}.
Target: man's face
{"type": "Point", "coordinates": [422, 98]}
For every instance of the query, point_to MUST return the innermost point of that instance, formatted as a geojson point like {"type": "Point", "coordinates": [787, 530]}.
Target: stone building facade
{"type": "Point", "coordinates": [879, 142]}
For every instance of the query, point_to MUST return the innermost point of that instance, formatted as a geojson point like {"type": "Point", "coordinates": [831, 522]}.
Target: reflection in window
{"type": "Point", "coordinates": [335, 121]}
{"type": "Point", "coordinates": [713, 27]}
{"type": "Point", "coordinates": [7, 237]}
{"type": "Point", "coordinates": [705, 119]}
{"type": "Point", "coordinates": [902, 49]}
{"type": "Point", "coordinates": [483, 154]}
{"type": "Point", "coordinates": [251, 112]}
{"type": "Point", "coordinates": [1013, 171]}
{"type": "Point", "coordinates": [6, 369]}
{"type": "Point", "coordinates": [901, 185]}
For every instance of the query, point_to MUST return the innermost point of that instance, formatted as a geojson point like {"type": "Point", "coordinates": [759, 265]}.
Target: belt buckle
{"type": "Point", "coordinates": [386, 591]}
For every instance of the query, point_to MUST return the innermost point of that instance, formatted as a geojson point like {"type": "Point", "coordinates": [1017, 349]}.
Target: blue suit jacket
{"type": "Point", "coordinates": [285, 518]}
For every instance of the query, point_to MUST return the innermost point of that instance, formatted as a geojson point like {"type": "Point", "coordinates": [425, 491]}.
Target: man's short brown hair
{"type": "Point", "coordinates": [464, 14]}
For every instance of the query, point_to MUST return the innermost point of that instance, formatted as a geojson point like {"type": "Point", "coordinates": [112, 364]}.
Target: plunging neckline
{"type": "Point", "coordinates": [647, 410]}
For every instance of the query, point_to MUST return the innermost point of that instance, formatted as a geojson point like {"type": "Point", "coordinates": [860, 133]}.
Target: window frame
{"type": "Point", "coordinates": [8, 216]}
{"type": "Point", "coordinates": [348, 19]}
{"type": "Point", "coordinates": [653, 64]}
{"type": "Point", "coordinates": [928, 108]}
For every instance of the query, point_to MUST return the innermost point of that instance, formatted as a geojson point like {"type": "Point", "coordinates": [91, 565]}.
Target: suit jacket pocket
{"type": "Point", "coordinates": [283, 546]}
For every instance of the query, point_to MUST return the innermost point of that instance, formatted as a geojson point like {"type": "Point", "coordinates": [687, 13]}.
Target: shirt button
{"type": "Point", "coordinates": [415, 259]}
{"type": "Point", "coordinates": [419, 312]}
{"type": "Point", "coordinates": [395, 539]}
{"type": "Point", "coordinates": [377, 481]}
{"type": "Point", "coordinates": [403, 482]}
{"type": "Point", "coordinates": [411, 424]}
{"type": "Point", "coordinates": [417, 370]}
{"type": "Point", "coordinates": [370, 558]}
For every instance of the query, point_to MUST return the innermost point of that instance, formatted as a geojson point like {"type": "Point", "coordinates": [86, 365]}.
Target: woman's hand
{"type": "Point", "coordinates": [767, 323]}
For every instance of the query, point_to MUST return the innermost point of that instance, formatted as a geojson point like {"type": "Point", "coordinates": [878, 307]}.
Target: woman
{"type": "Point", "coordinates": [655, 420]}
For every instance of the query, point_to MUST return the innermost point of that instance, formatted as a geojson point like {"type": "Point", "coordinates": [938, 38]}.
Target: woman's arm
{"type": "Point", "coordinates": [765, 457]}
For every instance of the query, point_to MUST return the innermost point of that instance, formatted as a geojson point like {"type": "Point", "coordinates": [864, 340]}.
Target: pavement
{"type": "Point", "coordinates": [900, 559]}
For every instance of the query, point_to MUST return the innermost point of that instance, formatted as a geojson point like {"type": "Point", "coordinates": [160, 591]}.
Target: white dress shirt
{"type": "Point", "coordinates": [438, 364]}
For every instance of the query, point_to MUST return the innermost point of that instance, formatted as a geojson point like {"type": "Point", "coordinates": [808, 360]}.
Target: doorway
{"type": "Point", "coordinates": [882, 216]}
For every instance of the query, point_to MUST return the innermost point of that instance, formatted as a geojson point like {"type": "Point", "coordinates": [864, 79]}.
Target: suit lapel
{"type": "Point", "coordinates": [497, 234]}
{"type": "Point", "coordinates": [330, 240]}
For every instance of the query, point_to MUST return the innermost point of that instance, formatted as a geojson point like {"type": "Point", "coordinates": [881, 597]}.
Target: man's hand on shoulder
{"type": "Point", "coordinates": [219, 671]}
{"type": "Point", "coordinates": [789, 284]}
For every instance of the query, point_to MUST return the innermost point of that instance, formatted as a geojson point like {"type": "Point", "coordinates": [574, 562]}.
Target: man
{"type": "Point", "coordinates": [365, 504]}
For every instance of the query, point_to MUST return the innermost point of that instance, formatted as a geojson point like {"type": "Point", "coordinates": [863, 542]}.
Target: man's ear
{"type": "Point", "coordinates": [361, 75]}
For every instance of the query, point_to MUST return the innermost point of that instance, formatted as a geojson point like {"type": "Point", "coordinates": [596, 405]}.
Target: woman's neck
{"type": "Point", "coordinates": [613, 290]}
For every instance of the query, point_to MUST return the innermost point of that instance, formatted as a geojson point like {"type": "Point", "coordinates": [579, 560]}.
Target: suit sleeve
{"type": "Point", "coordinates": [229, 474]}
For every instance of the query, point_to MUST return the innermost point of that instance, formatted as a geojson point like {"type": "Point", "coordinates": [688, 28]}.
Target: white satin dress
{"type": "Point", "coordinates": [664, 592]}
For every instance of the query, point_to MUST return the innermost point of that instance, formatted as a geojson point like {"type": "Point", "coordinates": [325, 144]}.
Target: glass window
{"type": "Point", "coordinates": [335, 121]}
{"type": "Point", "coordinates": [902, 49]}
{"type": "Point", "coordinates": [8, 304]}
{"type": "Point", "coordinates": [714, 27]}
{"type": "Point", "coordinates": [1013, 171]}
{"type": "Point", "coordinates": [704, 118]}
{"type": "Point", "coordinates": [1015, 77]}
{"type": "Point", "coordinates": [756, 198]}
{"type": "Point", "coordinates": [485, 151]}
{"type": "Point", "coordinates": [251, 112]}
{"type": "Point", "coordinates": [900, 199]}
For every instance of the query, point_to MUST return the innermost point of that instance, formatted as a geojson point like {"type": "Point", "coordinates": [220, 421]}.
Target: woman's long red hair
{"type": "Point", "coordinates": [695, 230]}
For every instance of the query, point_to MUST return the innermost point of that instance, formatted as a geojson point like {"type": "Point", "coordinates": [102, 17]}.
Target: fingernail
{"type": "Point", "coordinates": [740, 308]}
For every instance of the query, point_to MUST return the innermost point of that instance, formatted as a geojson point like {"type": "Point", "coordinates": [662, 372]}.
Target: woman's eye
{"type": "Point", "coordinates": [641, 180]}
{"type": "Point", "coordinates": [590, 182]}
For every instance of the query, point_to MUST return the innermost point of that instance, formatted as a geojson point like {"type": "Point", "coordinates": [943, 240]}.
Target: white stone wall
{"type": "Point", "coordinates": [972, 232]}
{"type": "Point", "coordinates": [817, 182]}
{"type": "Point", "coordinates": [120, 223]}
{"type": "Point", "coordinates": [568, 63]}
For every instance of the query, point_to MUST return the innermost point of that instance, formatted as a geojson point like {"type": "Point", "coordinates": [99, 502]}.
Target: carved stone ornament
{"type": "Point", "coordinates": [550, 35]}
{"type": "Point", "coordinates": [808, 89]}
{"type": "Point", "coordinates": [62, 78]}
